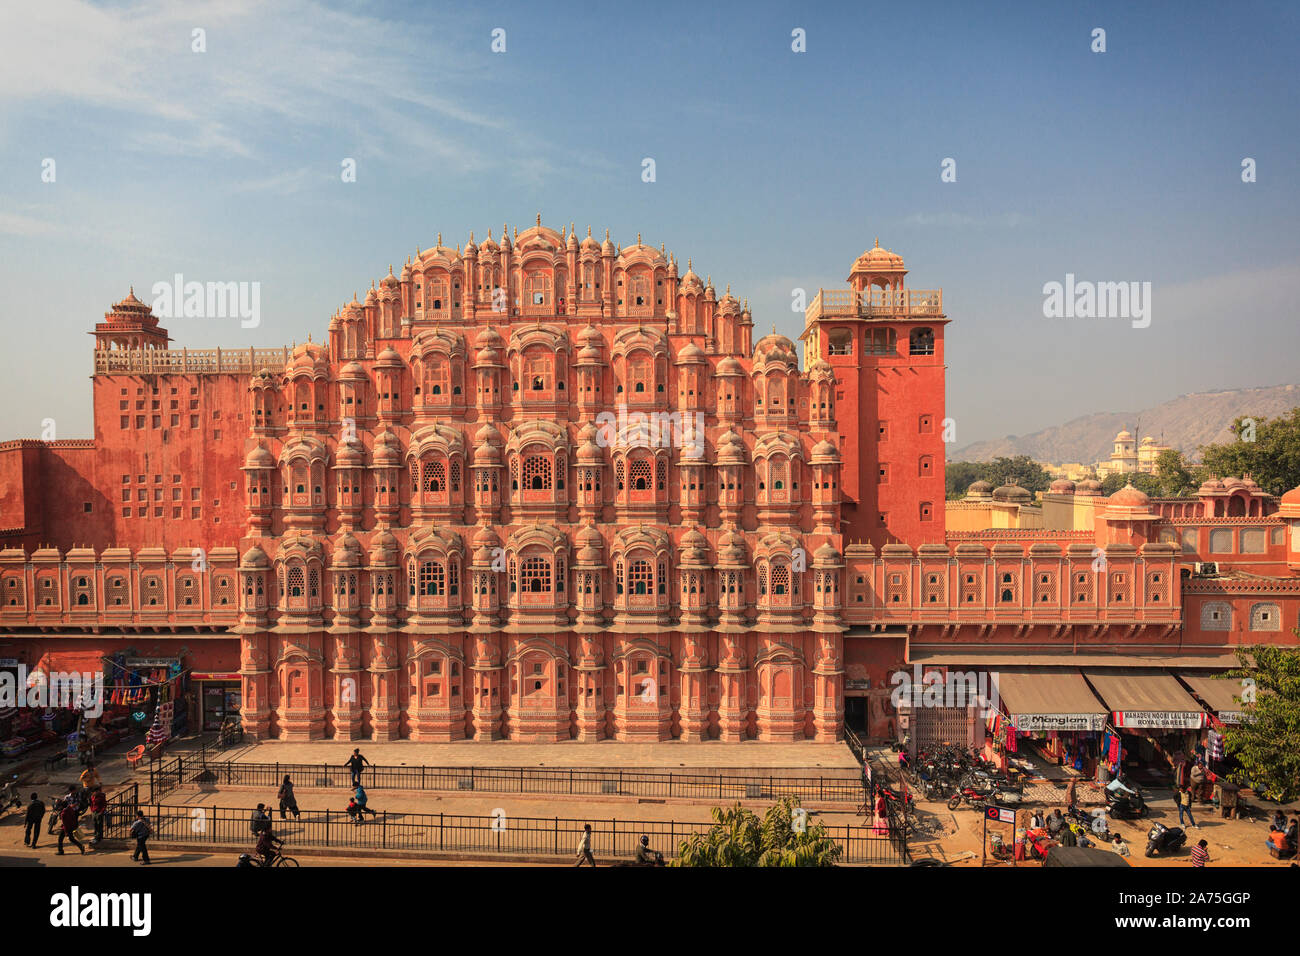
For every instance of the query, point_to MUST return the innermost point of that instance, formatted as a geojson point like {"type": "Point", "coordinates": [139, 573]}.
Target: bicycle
{"type": "Point", "coordinates": [278, 860]}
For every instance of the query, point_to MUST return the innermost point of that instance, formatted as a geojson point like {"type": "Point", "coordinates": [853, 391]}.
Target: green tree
{"type": "Point", "coordinates": [960, 475]}
{"type": "Point", "coordinates": [1268, 451]}
{"type": "Point", "coordinates": [1176, 477]}
{"type": "Point", "coordinates": [1021, 470]}
{"type": "Point", "coordinates": [739, 838]}
{"type": "Point", "coordinates": [1267, 743]}
{"type": "Point", "coordinates": [1148, 484]}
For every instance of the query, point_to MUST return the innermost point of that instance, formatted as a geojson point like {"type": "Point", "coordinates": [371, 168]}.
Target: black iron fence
{"type": "Point", "coordinates": [720, 787]}
{"type": "Point", "coordinates": [612, 839]}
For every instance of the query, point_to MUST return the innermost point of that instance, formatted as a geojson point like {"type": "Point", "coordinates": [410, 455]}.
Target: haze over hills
{"type": "Point", "coordinates": [1186, 423]}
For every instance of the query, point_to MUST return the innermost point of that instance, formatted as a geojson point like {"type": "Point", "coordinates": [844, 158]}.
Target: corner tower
{"type": "Point", "coordinates": [885, 345]}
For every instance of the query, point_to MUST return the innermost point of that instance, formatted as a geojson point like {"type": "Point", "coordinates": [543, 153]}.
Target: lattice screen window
{"type": "Point", "coordinates": [1265, 617]}
{"type": "Point", "coordinates": [1082, 586]}
{"type": "Point", "coordinates": [537, 473]}
{"type": "Point", "coordinates": [1216, 616]}
{"type": "Point", "coordinates": [1044, 587]}
{"type": "Point", "coordinates": [932, 588]}
{"type": "Point", "coordinates": [640, 578]}
{"type": "Point", "coordinates": [1157, 587]}
{"type": "Point", "coordinates": [435, 476]}
{"type": "Point", "coordinates": [535, 577]}
{"type": "Point", "coordinates": [640, 475]}
{"type": "Point", "coordinates": [151, 591]}
{"type": "Point", "coordinates": [187, 591]}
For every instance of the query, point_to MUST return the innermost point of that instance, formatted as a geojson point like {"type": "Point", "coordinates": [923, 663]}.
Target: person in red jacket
{"type": "Point", "coordinates": [68, 827]}
{"type": "Point", "coordinates": [98, 810]}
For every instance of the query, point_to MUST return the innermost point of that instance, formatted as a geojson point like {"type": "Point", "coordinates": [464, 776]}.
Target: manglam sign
{"type": "Point", "coordinates": [1059, 721]}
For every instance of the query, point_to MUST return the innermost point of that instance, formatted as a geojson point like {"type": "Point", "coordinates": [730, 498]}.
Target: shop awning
{"type": "Point", "coordinates": [1049, 699]}
{"type": "Point", "coordinates": [1218, 695]}
{"type": "Point", "coordinates": [1146, 700]}
{"type": "Point", "coordinates": [955, 655]}
{"type": "Point", "coordinates": [70, 662]}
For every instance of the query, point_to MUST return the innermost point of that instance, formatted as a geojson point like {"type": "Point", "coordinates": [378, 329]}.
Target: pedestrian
{"type": "Point", "coordinates": [286, 798]}
{"type": "Point", "coordinates": [259, 821]}
{"type": "Point", "coordinates": [355, 763]}
{"type": "Point", "coordinates": [1185, 806]}
{"type": "Point", "coordinates": [90, 778]}
{"type": "Point", "coordinates": [1055, 822]}
{"type": "Point", "coordinates": [1200, 855]}
{"type": "Point", "coordinates": [361, 798]}
{"type": "Point", "coordinates": [354, 811]}
{"type": "Point", "coordinates": [35, 814]}
{"type": "Point", "coordinates": [1036, 820]}
{"type": "Point", "coordinates": [68, 827]}
{"type": "Point", "coordinates": [98, 810]}
{"type": "Point", "coordinates": [880, 826]}
{"type": "Point", "coordinates": [1069, 795]}
{"type": "Point", "coordinates": [584, 847]}
{"type": "Point", "coordinates": [1198, 781]}
{"type": "Point", "coordinates": [141, 830]}
{"type": "Point", "coordinates": [1119, 846]}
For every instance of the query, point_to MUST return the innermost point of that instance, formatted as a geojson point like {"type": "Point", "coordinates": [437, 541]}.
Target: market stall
{"type": "Point", "coordinates": [1056, 711]}
{"type": "Point", "coordinates": [1155, 723]}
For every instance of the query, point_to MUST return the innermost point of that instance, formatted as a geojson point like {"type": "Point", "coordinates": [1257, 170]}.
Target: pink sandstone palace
{"type": "Point", "coordinates": [425, 527]}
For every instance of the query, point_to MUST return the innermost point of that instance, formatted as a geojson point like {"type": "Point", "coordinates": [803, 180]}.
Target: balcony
{"type": "Point", "coordinates": [188, 361]}
{"type": "Point", "coordinates": [875, 304]}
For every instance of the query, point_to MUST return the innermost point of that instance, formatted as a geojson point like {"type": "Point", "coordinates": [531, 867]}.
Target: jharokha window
{"type": "Point", "coordinates": [537, 473]}
{"type": "Point", "coordinates": [535, 576]}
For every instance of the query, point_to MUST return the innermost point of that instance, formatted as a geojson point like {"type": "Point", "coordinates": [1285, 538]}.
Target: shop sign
{"type": "Point", "coordinates": [857, 683]}
{"type": "Point", "coordinates": [1159, 719]}
{"type": "Point", "coordinates": [1233, 716]}
{"type": "Point", "coordinates": [8, 662]}
{"type": "Point", "coordinates": [206, 675]}
{"type": "Point", "coordinates": [150, 661]}
{"type": "Point", "coordinates": [1058, 721]}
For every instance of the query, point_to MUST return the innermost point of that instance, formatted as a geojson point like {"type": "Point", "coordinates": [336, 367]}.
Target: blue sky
{"type": "Point", "coordinates": [774, 170]}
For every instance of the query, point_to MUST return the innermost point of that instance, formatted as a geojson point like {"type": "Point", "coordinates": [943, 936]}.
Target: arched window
{"type": "Point", "coordinates": [296, 582]}
{"type": "Point", "coordinates": [640, 475]}
{"type": "Point", "coordinates": [537, 473]}
{"type": "Point", "coordinates": [640, 578]}
{"type": "Point", "coordinates": [535, 577]}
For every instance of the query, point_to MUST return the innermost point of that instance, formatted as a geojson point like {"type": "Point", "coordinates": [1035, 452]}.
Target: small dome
{"type": "Point", "coordinates": [690, 352]}
{"type": "Point", "coordinates": [1013, 494]}
{"type": "Point", "coordinates": [1129, 497]}
{"type": "Point", "coordinates": [387, 451]}
{"type": "Point", "coordinates": [388, 358]}
{"type": "Point", "coordinates": [1292, 497]}
{"type": "Point", "coordinates": [979, 489]}
{"type": "Point", "coordinates": [383, 548]}
{"type": "Point", "coordinates": [825, 449]}
{"type": "Point", "coordinates": [1124, 435]}
{"type": "Point", "coordinates": [259, 457]}
{"type": "Point", "coordinates": [389, 281]}
{"type": "Point", "coordinates": [1210, 486]}
{"type": "Point", "coordinates": [589, 451]}
{"type": "Point", "coordinates": [1062, 486]}
{"type": "Point", "coordinates": [349, 455]}
{"type": "Point", "coordinates": [352, 370]}
{"type": "Point", "coordinates": [607, 247]}
{"type": "Point", "coordinates": [1248, 483]}
{"type": "Point", "coordinates": [255, 557]}
{"type": "Point", "coordinates": [1230, 483]}
{"type": "Point", "coordinates": [1089, 486]}
{"type": "Point", "coordinates": [489, 338]}
{"type": "Point", "coordinates": [826, 553]}
{"type": "Point", "coordinates": [729, 366]}
{"type": "Point", "coordinates": [589, 244]}
{"type": "Point", "coordinates": [877, 259]}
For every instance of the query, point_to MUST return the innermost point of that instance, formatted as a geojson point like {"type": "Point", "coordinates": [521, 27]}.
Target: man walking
{"type": "Point", "coordinates": [287, 799]}
{"type": "Point", "coordinates": [141, 831]}
{"type": "Point", "coordinates": [584, 847]}
{"type": "Point", "coordinates": [355, 763]}
{"type": "Point", "coordinates": [68, 827]}
{"type": "Point", "coordinates": [35, 814]}
{"type": "Point", "coordinates": [1184, 797]}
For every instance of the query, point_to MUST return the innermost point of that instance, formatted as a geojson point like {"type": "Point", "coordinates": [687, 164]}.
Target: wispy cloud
{"type": "Point", "coordinates": [271, 74]}
{"type": "Point", "coordinates": [953, 220]}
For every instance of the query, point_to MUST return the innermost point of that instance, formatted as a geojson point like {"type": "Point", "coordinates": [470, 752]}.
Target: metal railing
{"type": "Point", "coordinates": [535, 836]}
{"type": "Point", "coordinates": [191, 361]}
{"type": "Point", "coordinates": [201, 768]}
{"type": "Point", "coordinates": [875, 302]}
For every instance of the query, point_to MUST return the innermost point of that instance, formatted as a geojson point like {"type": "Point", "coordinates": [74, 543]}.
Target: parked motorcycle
{"type": "Point", "coordinates": [1163, 839]}
{"type": "Point", "coordinates": [979, 799]}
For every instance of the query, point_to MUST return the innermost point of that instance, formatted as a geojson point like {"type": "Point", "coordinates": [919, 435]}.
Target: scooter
{"type": "Point", "coordinates": [1126, 805]}
{"type": "Point", "coordinates": [1163, 839]}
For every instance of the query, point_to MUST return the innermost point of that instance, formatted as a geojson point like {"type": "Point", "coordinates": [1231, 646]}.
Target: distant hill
{"type": "Point", "coordinates": [1186, 423]}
